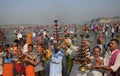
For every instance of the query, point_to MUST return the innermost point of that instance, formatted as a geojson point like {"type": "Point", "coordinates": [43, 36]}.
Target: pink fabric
{"type": "Point", "coordinates": [39, 40]}
{"type": "Point", "coordinates": [112, 60]}
{"type": "Point", "coordinates": [67, 31]}
{"type": "Point", "coordinates": [113, 57]}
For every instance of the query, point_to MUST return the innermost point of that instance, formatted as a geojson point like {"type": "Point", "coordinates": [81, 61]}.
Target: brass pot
{"type": "Point", "coordinates": [82, 68]}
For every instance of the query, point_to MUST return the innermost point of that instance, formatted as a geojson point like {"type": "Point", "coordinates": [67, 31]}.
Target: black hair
{"type": "Point", "coordinates": [17, 42]}
{"type": "Point", "coordinates": [97, 47]}
{"type": "Point", "coordinates": [30, 45]}
{"type": "Point", "coordinates": [7, 45]}
{"type": "Point", "coordinates": [116, 41]}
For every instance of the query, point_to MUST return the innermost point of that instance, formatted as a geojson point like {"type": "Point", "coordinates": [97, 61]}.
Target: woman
{"type": "Point", "coordinates": [29, 61]}
{"type": "Point", "coordinates": [8, 63]}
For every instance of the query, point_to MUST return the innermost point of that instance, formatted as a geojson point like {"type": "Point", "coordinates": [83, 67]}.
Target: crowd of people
{"type": "Point", "coordinates": [35, 52]}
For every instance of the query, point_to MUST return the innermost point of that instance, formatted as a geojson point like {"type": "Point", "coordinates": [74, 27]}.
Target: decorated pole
{"type": "Point", "coordinates": [83, 57]}
{"type": "Point", "coordinates": [57, 31]}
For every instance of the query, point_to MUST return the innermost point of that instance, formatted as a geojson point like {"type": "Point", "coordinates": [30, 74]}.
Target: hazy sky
{"type": "Point", "coordinates": [66, 11]}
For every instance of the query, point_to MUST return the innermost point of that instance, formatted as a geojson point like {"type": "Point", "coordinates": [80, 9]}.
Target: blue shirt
{"type": "Point", "coordinates": [56, 63]}
{"type": "Point", "coordinates": [9, 60]}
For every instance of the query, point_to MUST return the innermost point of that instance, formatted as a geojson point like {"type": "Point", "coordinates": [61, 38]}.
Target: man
{"type": "Point", "coordinates": [75, 71]}
{"type": "Point", "coordinates": [95, 60]}
{"type": "Point", "coordinates": [19, 36]}
{"type": "Point", "coordinates": [100, 41]}
{"type": "Point", "coordinates": [56, 61]}
{"type": "Point", "coordinates": [24, 46]}
{"type": "Point", "coordinates": [114, 61]}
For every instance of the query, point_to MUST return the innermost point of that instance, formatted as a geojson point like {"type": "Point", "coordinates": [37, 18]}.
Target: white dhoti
{"type": "Point", "coordinates": [94, 73]}
{"type": "Point", "coordinates": [56, 74]}
{"type": "Point", "coordinates": [76, 72]}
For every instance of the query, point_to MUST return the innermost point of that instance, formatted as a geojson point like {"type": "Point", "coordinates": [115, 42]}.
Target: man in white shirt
{"type": "Point", "coordinates": [114, 62]}
{"type": "Point", "coordinates": [19, 36]}
{"type": "Point", "coordinates": [95, 60]}
{"type": "Point", "coordinates": [24, 47]}
{"type": "Point", "coordinates": [56, 61]}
